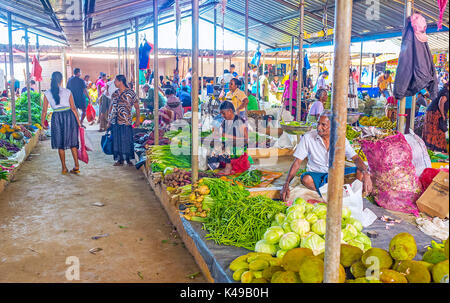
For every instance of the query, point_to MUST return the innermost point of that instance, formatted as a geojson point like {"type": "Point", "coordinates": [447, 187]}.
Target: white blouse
{"type": "Point", "coordinates": [64, 96]}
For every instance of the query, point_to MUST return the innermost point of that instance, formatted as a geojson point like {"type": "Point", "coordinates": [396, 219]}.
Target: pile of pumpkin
{"type": "Point", "coordinates": [17, 132]}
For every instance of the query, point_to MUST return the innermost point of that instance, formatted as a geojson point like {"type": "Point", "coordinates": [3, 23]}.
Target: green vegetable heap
{"type": "Point", "coordinates": [249, 178]}
{"type": "Point", "coordinates": [22, 108]}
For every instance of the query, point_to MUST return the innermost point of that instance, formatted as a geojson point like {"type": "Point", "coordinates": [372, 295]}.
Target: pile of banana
{"type": "Point", "coordinates": [378, 122]}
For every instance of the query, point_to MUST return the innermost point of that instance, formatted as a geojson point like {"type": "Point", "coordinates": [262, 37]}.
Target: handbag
{"type": "Point", "coordinates": [443, 125]}
{"type": "Point", "coordinates": [82, 152]}
{"type": "Point", "coordinates": [107, 143]}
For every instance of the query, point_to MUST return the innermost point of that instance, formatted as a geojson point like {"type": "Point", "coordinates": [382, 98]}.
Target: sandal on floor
{"type": "Point", "coordinates": [130, 164]}
{"type": "Point", "coordinates": [64, 172]}
{"type": "Point", "coordinates": [75, 171]}
{"type": "Point", "coordinates": [118, 164]}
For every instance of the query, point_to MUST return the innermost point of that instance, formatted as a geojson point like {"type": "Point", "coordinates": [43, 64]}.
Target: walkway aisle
{"type": "Point", "coordinates": [46, 217]}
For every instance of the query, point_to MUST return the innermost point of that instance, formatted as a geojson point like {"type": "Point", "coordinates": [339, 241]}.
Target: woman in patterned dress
{"type": "Point", "coordinates": [120, 121]}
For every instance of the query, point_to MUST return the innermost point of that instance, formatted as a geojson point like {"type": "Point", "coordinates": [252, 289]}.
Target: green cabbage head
{"type": "Point", "coordinates": [280, 218]}
{"type": "Point", "coordinates": [300, 226]}
{"type": "Point", "coordinates": [264, 247]}
{"type": "Point", "coordinates": [273, 234]}
{"type": "Point", "coordinates": [311, 218]}
{"type": "Point", "coordinates": [349, 232]}
{"type": "Point", "coordinates": [315, 242]}
{"type": "Point", "coordinates": [320, 211]}
{"type": "Point", "coordinates": [289, 241]}
{"type": "Point", "coordinates": [319, 227]}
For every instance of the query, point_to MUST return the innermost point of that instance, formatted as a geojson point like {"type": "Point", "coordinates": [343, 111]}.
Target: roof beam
{"type": "Point", "coordinates": [238, 33]}
{"type": "Point", "coordinates": [260, 22]}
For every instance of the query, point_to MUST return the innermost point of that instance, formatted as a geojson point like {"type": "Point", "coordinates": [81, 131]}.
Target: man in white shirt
{"type": "Point", "coordinates": [315, 146]}
{"type": "Point", "coordinates": [321, 83]}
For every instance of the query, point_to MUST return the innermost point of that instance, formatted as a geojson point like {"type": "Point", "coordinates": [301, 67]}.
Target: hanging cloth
{"type": "Point", "coordinates": [36, 70]}
{"type": "Point", "coordinates": [256, 58]}
{"type": "Point", "coordinates": [306, 63]}
{"type": "Point", "coordinates": [416, 69]}
{"type": "Point", "coordinates": [144, 55]}
{"type": "Point", "coordinates": [442, 5]}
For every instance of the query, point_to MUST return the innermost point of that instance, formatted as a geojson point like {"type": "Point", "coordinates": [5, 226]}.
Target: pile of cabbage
{"type": "Point", "coordinates": [303, 225]}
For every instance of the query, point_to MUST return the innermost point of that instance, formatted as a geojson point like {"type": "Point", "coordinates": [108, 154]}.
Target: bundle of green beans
{"type": "Point", "coordinates": [241, 222]}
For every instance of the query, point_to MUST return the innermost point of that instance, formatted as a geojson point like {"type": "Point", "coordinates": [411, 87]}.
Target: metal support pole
{"type": "Point", "coordinates": [27, 78]}
{"type": "Point", "coordinates": [215, 46]}
{"type": "Point", "coordinates": [342, 37]}
{"type": "Point", "coordinates": [402, 106]}
{"type": "Point", "coordinates": [136, 55]}
{"type": "Point", "coordinates": [360, 62]}
{"type": "Point", "coordinates": [201, 83]}
{"type": "Point", "coordinates": [126, 54]}
{"type": "Point", "coordinates": [246, 48]}
{"type": "Point", "coordinates": [413, 112]}
{"type": "Point", "coordinates": [11, 71]}
{"type": "Point", "coordinates": [118, 56]}
{"type": "Point", "coordinates": [300, 61]}
{"type": "Point", "coordinates": [195, 55]}
{"type": "Point", "coordinates": [155, 71]}
{"type": "Point", "coordinates": [64, 67]}
{"type": "Point", "coordinates": [6, 74]}
{"type": "Point", "coordinates": [291, 76]}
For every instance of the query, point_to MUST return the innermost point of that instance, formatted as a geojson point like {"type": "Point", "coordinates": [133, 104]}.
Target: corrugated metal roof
{"type": "Point", "coordinates": [284, 15]}
{"type": "Point", "coordinates": [37, 15]}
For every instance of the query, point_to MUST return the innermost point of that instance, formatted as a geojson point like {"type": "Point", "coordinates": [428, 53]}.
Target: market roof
{"type": "Point", "coordinates": [272, 23]}
{"type": "Point", "coordinates": [37, 15]}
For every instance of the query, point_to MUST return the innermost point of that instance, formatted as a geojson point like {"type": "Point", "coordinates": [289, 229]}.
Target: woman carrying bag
{"type": "Point", "coordinates": [65, 121]}
{"type": "Point", "coordinates": [120, 121]}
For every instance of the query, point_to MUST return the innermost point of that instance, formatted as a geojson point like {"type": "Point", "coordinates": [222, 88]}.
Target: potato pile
{"type": "Point", "coordinates": [177, 178]}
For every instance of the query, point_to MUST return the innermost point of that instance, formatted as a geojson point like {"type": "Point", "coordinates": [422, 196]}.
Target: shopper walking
{"type": "Point", "coordinates": [104, 102]}
{"type": "Point", "coordinates": [65, 122]}
{"type": "Point", "coordinates": [436, 122]}
{"type": "Point", "coordinates": [287, 94]}
{"type": "Point", "coordinates": [352, 93]}
{"type": "Point", "coordinates": [120, 121]}
{"type": "Point", "coordinates": [79, 92]}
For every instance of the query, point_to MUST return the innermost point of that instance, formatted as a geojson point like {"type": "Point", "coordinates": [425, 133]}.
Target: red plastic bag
{"type": "Point", "coordinates": [82, 152]}
{"type": "Point", "coordinates": [396, 185]}
{"type": "Point", "coordinates": [90, 113]}
{"type": "Point", "coordinates": [240, 164]}
{"type": "Point", "coordinates": [428, 175]}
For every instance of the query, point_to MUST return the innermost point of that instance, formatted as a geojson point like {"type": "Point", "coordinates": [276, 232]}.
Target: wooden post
{"type": "Point", "coordinates": [11, 71]}
{"type": "Point", "coordinates": [27, 76]}
{"type": "Point", "coordinates": [195, 51]}
{"type": "Point", "coordinates": [201, 81]}
{"type": "Point", "coordinates": [155, 72]}
{"type": "Point", "coordinates": [291, 76]}
{"type": "Point", "coordinates": [300, 62]}
{"type": "Point", "coordinates": [246, 49]}
{"type": "Point", "coordinates": [342, 36]}
{"type": "Point", "coordinates": [64, 67]}
{"type": "Point", "coordinates": [402, 106]}
{"type": "Point", "coordinates": [136, 56]}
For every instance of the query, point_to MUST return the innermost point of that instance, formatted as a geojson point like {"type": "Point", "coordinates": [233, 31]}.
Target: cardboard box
{"type": "Point", "coordinates": [434, 201]}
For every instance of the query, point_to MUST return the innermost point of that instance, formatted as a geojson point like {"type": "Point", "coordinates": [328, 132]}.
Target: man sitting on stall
{"type": "Point", "coordinates": [149, 100]}
{"type": "Point", "coordinates": [235, 133]}
{"type": "Point", "coordinates": [315, 146]}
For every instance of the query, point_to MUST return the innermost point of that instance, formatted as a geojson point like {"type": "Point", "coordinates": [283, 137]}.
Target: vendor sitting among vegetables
{"type": "Point", "coordinates": [235, 133]}
{"type": "Point", "coordinates": [315, 146]}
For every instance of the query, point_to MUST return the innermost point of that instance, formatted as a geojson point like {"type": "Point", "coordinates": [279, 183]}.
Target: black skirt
{"type": "Point", "coordinates": [123, 144]}
{"type": "Point", "coordinates": [64, 130]}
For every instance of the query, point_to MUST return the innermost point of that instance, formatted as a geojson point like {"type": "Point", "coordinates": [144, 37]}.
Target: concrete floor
{"type": "Point", "coordinates": [46, 217]}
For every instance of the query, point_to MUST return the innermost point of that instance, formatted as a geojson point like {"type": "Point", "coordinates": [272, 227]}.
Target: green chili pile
{"type": "Point", "coordinates": [241, 222]}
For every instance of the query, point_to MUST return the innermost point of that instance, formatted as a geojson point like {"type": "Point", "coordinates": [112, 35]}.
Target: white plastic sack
{"type": "Point", "coordinates": [88, 142]}
{"type": "Point", "coordinates": [421, 159]}
{"type": "Point", "coordinates": [285, 141]}
{"type": "Point", "coordinates": [19, 156]}
{"type": "Point", "coordinates": [202, 158]}
{"type": "Point", "coordinates": [353, 200]}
